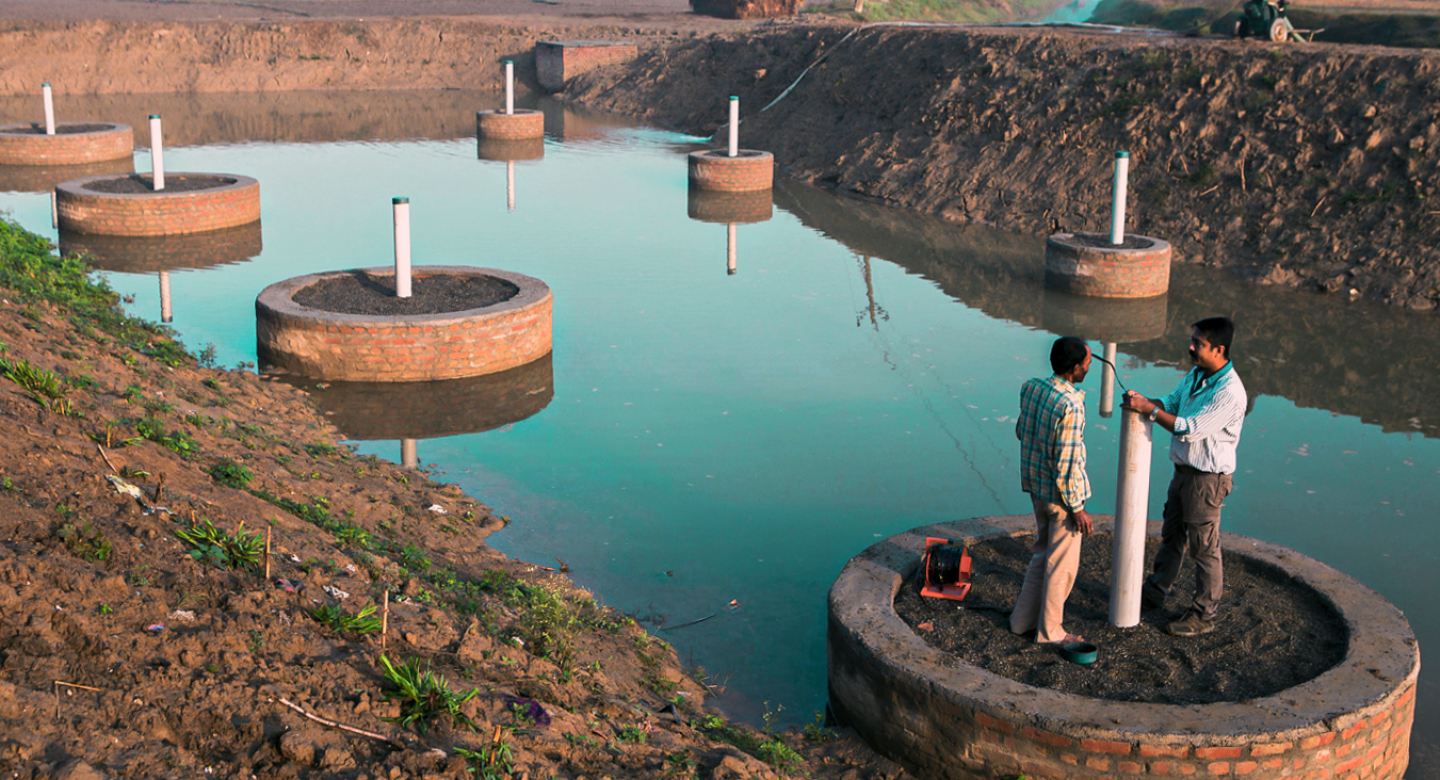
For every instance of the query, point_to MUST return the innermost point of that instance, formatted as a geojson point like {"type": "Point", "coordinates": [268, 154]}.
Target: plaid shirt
{"type": "Point", "coordinates": [1051, 429]}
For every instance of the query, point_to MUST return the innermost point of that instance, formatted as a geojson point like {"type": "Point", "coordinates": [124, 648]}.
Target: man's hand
{"type": "Point", "coordinates": [1083, 523]}
{"type": "Point", "coordinates": [1137, 402]}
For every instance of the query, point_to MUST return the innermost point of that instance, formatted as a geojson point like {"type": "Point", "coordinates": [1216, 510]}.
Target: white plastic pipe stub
{"type": "Point", "coordinates": [509, 87]}
{"type": "Point", "coordinates": [49, 98]}
{"type": "Point", "coordinates": [734, 126]}
{"type": "Point", "coordinates": [157, 153]}
{"type": "Point", "coordinates": [1132, 498]}
{"type": "Point", "coordinates": [402, 247]}
{"type": "Point", "coordinates": [1117, 208]}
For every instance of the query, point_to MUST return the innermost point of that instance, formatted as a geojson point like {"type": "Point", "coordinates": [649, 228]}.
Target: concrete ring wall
{"type": "Point", "coordinates": [716, 170]}
{"type": "Point", "coordinates": [944, 719]}
{"type": "Point", "coordinates": [234, 202]}
{"type": "Point", "coordinates": [1081, 267]}
{"type": "Point", "coordinates": [403, 348]}
{"type": "Point", "coordinates": [496, 125]}
{"type": "Point", "coordinates": [20, 144]}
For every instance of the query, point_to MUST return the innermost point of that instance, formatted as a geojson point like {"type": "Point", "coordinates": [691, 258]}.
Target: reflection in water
{"type": "Point", "coordinates": [1110, 321]}
{"type": "Point", "coordinates": [163, 254]}
{"type": "Point", "coordinates": [42, 178]}
{"type": "Point", "coordinates": [1319, 351]}
{"type": "Point", "coordinates": [378, 411]}
{"type": "Point", "coordinates": [574, 124]}
{"type": "Point", "coordinates": [509, 152]}
{"type": "Point", "coordinates": [730, 209]}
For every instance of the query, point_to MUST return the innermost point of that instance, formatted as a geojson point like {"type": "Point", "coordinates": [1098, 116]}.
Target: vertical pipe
{"type": "Point", "coordinates": [1132, 498]}
{"type": "Point", "coordinates": [402, 247]}
{"type": "Point", "coordinates": [509, 87]}
{"type": "Point", "coordinates": [730, 249]}
{"type": "Point", "coordinates": [510, 184]}
{"type": "Point", "coordinates": [49, 109]}
{"type": "Point", "coordinates": [734, 126]}
{"type": "Point", "coordinates": [166, 314]}
{"type": "Point", "coordinates": [157, 154]}
{"type": "Point", "coordinates": [1107, 382]}
{"type": "Point", "coordinates": [54, 209]}
{"type": "Point", "coordinates": [1122, 189]}
{"type": "Point", "coordinates": [409, 454]}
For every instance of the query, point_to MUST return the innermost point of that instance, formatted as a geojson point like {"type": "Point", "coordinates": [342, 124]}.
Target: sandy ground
{"type": "Point", "coordinates": [281, 10]}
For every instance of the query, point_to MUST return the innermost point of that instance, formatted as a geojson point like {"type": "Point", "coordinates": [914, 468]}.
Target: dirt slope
{"type": "Point", "coordinates": [1310, 166]}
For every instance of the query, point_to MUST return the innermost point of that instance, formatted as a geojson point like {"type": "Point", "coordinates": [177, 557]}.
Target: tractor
{"type": "Point", "coordinates": [1266, 19]}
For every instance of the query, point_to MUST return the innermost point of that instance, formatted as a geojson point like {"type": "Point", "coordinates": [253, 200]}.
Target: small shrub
{"type": "Point", "coordinates": [228, 472]}
{"type": "Point", "coordinates": [240, 550]}
{"type": "Point", "coordinates": [423, 695]}
{"type": "Point", "coordinates": [85, 541]}
{"type": "Point", "coordinates": [44, 387]}
{"type": "Point", "coordinates": [335, 619]}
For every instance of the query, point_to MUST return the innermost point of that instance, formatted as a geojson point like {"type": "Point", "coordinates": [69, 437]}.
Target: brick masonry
{"type": "Point", "coordinates": [499, 150]}
{"type": "Point", "coordinates": [1075, 266]}
{"type": "Point", "coordinates": [371, 411]}
{"type": "Point", "coordinates": [43, 178]}
{"type": "Point", "coordinates": [235, 200]}
{"type": "Point", "coordinates": [147, 254]}
{"type": "Point", "coordinates": [727, 207]}
{"type": "Point", "coordinates": [717, 171]}
{"type": "Point", "coordinates": [556, 62]}
{"type": "Point", "coordinates": [947, 720]}
{"type": "Point", "coordinates": [411, 348]}
{"type": "Point", "coordinates": [497, 125]}
{"type": "Point", "coordinates": [21, 145]}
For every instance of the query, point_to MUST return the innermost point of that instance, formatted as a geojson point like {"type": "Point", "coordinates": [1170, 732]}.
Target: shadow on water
{"type": "Point", "coordinates": [1321, 351]}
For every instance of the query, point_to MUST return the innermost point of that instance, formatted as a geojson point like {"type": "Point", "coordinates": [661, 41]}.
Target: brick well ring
{"type": "Point", "coordinates": [1088, 264]}
{"type": "Point", "coordinates": [403, 348]}
{"type": "Point", "coordinates": [73, 143]}
{"type": "Point", "coordinates": [945, 719]}
{"type": "Point", "coordinates": [716, 170]}
{"type": "Point", "coordinates": [496, 125]}
{"type": "Point", "coordinates": [221, 201]}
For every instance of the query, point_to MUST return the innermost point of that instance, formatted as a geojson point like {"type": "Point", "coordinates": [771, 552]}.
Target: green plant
{"type": "Point", "coordinates": [239, 550]}
{"type": "Point", "coordinates": [44, 387]}
{"type": "Point", "coordinates": [206, 357]}
{"type": "Point", "coordinates": [423, 695]}
{"type": "Point", "coordinates": [255, 641]}
{"type": "Point", "coordinates": [228, 472]}
{"type": "Point", "coordinates": [179, 442]}
{"type": "Point", "coordinates": [817, 732]}
{"type": "Point", "coordinates": [491, 762]}
{"type": "Point", "coordinates": [779, 755]}
{"type": "Point", "coordinates": [6, 485]}
{"type": "Point", "coordinates": [85, 541]}
{"type": "Point", "coordinates": [633, 734]}
{"type": "Point", "coordinates": [334, 618]}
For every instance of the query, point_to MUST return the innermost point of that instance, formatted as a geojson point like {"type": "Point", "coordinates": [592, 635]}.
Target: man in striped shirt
{"type": "Point", "coordinates": [1205, 414]}
{"type": "Point", "coordinates": [1051, 429]}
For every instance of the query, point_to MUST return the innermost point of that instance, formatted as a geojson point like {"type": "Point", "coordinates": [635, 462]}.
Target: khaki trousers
{"type": "Point", "coordinates": [1192, 525]}
{"type": "Point", "coordinates": [1055, 559]}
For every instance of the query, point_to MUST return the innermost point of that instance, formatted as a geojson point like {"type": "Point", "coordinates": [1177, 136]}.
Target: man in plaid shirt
{"type": "Point", "coordinates": [1051, 429]}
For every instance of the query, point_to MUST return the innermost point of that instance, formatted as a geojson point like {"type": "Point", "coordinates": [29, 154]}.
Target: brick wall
{"type": "Point", "coordinates": [147, 254]}
{"type": "Point", "coordinates": [235, 200]}
{"type": "Point", "coordinates": [1072, 265]}
{"type": "Point", "coordinates": [727, 207]}
{"type": "Point", "coordinates": [19, 145]}
{"type": "Point", "coordinates": [499, 126]}
{"type": "Point", "coordinates": [510, 151]}
{"type": "Point", "coordinates": [411, 348]}
{"type": "Point", "coordinates": [556, 62]}
{"type": "Point", "coordinates": [715, 170]}
{"type": "Point", "coordinates": [43, 178]}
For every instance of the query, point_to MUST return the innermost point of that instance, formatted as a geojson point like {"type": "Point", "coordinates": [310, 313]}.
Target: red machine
{"type": "Point", "coordinates": [945, 570]}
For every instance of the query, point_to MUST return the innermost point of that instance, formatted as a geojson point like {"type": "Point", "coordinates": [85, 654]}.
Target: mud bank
{"type": "Point", "coordinates": [1311, 167]}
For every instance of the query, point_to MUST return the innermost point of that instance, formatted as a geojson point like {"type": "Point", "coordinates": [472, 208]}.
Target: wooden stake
{"type": "Point", "coordinates": [385, 620]}
{"type": "Point", "coordinates": [268, 529]}
{"type": "Point", "coordinates": [1243, 188]}
{"type": "Point", "coordinates": [107, 457]}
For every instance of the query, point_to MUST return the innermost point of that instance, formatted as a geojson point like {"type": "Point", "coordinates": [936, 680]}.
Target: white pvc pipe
{"type": "Point", "coordinates": [510, 184]}
{"type": "Point", "coordinates": [409, 454]}
{"type": "Point", "coordinates": [1132, 498]}
{"type": "Point", "coordinates": [509, 87]}
{"type": "Point", "coordinates": [730, 249]}
{"type": "Point", "coordinates": [49, 109]}
{"type": "Point", "coordinates": [166, 314]}
{"type": "Point", "coordinates": [157, 153]}
{"type": "Point", "coordinates": [402, 247]}
{"type": "Point", "coordinates": [1122, 189]}
{"type": "Point", "coordinates": [734, 126]}
{"type": "Point", "coordinates": [1107, 382]}
{"type": "Point", "coordinates": [54, 209]}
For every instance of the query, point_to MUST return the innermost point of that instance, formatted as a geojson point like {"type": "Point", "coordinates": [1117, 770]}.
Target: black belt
{"type": "Point", "coordinates": [1181, 468]}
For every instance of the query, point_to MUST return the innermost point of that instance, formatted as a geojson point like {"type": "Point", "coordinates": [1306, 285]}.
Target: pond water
{"type": "Point", "coordinates": [707, 444]}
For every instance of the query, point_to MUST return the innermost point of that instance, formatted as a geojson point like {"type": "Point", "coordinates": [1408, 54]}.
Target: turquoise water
{"type": "Point", "coordinates": [721, 444]}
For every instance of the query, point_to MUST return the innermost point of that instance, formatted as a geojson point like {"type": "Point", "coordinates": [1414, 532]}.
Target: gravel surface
{"type": "Point", "coordinates": [1273, 633]}
{"type": "Point", "coordinates": [361, 293]}
{"type": "Point", "coordinates": [60, 129]}
{"type": "Point", "coordinates": [136, 183]}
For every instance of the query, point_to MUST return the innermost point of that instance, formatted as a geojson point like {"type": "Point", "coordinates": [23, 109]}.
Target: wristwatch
{"type": "Point", "coordinates": [1154, 413]}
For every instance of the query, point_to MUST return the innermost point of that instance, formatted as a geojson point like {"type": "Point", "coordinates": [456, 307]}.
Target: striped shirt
{"type": "Point", "coordinates": [1051, 430]}
{"type": "Point", "coordinates": [1207, 425]}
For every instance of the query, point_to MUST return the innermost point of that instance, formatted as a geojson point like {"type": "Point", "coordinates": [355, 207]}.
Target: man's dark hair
{"type": "Point", "coordinates": [1219, 331]}
{"type": "Point", "coordinates": [1067, 353]}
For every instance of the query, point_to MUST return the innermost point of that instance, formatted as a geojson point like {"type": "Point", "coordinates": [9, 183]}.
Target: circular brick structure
{"type": "Point", "coordinates": [74, 143]}
{"type": "Point", "coordinates": [1110, 320]}
{"type": "Point", "coordinates": [500, 150]}
{"type": "Point", "coordinates": [43, 178]}
{"type": "Point", "coordinates": [190, 203]}
{"type": "Point", "coordinates": [496, 125]}
{"type": "Point", "coordinates": [403, 348]}
{"type": "Point", "coordinates": [725, 208]}
{"type": "Point", "coordinates": [716, 170]}
{"type": "Point", "coordinates": [148, 254]}
{"type": "Point", "coordinates": [943, 718]}
{"type": "Point", "coordinates": [1088, 264]}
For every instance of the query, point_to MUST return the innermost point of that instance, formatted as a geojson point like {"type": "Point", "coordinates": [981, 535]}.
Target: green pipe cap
{"type": "Point", "coordinates": [398, 201]}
